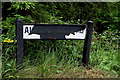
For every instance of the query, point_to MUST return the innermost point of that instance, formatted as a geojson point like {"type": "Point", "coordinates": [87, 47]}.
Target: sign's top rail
{"type": "Point", "coordinates": [54, 28]}
{"type": "Point", "coordinates": [77, 25]}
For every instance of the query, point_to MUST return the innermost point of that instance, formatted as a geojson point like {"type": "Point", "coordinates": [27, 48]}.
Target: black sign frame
{"type": "Point", "coordinates": [20, 42]}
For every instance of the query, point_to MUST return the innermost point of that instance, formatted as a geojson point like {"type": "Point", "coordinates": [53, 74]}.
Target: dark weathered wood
{"type": "Point", "coordinates": [87, 43]}
{"type": "Point", "coordinates": [19, 38]}
{"type": "Point", "coordinates": [56, 28]}
{"type": "Point", "coordinates": [56, 31]}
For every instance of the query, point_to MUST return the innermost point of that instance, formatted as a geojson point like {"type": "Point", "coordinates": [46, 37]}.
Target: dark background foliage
{"type": "Point", "coordinates": [104, 50]}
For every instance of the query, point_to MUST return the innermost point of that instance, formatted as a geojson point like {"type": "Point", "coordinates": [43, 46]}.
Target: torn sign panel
{"type": "Point", "coordinates": [54, 31]}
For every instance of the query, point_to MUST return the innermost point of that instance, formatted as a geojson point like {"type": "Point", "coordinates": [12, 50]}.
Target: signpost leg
{"type": "Point", "coordinates": [87, 43]}
{"type": "Point", "coordinates": [19, 38]}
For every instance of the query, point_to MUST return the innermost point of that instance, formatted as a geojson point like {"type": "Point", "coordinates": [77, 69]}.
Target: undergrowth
{"type": "Point", "coordinates": [50, 57]}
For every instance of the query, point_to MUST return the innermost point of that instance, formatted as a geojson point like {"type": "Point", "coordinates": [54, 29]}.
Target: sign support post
{"type": "Point", "coordinates": [19, 38]}
{"type": "Point", "coordinates": [87, 43]}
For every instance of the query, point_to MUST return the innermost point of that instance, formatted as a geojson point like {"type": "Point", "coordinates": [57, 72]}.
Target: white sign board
{"type": "Point", "coordinates": [28, 28]}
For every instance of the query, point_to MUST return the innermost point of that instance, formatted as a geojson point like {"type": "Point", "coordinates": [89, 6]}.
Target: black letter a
{"type": "Point", "coordinates": [26, 30]}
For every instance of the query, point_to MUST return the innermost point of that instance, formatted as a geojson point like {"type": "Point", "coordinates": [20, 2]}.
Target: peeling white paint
{"type": "Point", "coordinates": [26, 31]}
{"type": "Point", "coordinates": [76, 35]}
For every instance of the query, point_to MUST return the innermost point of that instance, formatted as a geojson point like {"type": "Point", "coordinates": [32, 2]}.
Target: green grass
{"type": "Point", "coordinates": [59, 58]}
{"type": "Point", "coordinates": [52, 72]}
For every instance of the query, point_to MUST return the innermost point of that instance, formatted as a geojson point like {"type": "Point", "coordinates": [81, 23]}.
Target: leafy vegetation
{"type": "Point", "coordinates": [45, 58]}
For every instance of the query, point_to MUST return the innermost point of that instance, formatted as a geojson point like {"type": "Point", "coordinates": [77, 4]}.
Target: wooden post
{"type": "Point", "coordinates": [19, 38]}
{"type": "Point", "coordinates": [87, 43]}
